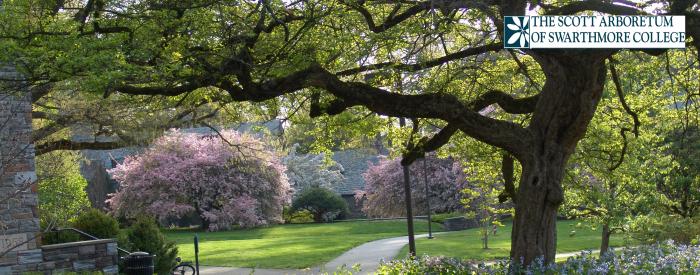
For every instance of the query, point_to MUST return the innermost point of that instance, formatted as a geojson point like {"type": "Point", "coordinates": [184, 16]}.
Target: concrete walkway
{"type": "Point", "coordinates": [367, 255]}
{"type": "Point", "coordinates": [370, 254]}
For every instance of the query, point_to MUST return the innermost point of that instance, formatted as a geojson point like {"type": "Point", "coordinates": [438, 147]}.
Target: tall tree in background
{"type": "Point", "coordinates": [680, 185]}
{"type": "Point", "coordinates": [328, 57]}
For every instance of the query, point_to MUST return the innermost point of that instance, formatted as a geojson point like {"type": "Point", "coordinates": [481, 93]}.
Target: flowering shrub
{"type": "Point", "coordinates": [666, 258]}
{"type": "Point", "coordinates": [228, 182]}
{"type": "Point", "coordinates": [384, 191]}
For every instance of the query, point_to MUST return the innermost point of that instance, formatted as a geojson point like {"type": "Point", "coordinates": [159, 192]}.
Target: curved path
{"type": "Point", "coordinates": [368, 255]}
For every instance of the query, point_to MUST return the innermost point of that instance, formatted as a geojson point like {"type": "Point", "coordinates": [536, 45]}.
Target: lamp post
{"type": "Point", "coordinates": [409, 211]}
{"type": "Point", "coordinates": [407, 196]}
{"type": "Point", "coordinates": [196, 253]}
{"type": "Point", "coordinates": [427, 197]}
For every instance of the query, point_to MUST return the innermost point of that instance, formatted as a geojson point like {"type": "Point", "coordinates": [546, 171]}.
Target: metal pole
{"type": "Point", "coordinates": [427, 198]}
{"type": "Point", "coordinates": [196, 253]}
{"type": "Point", "coordinates": [409, 212]}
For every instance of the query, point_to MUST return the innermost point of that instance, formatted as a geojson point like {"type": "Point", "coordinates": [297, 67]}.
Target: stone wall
{"type": "Point", "coordinates": [19, 220]}
{"type": "Point", "coordinates": [459, 223]}
{"type": "Point", "coordinates": [95, 255]}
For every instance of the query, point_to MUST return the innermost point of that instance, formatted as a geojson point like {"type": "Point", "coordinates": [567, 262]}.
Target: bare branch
{"type": "Point", "coordinates": [621, 96]}
{"type": "Point", "coordinates": [40, 91]}
{"type": "Point", "coordinates": [162, 90]}
{"type": "Point", "coordinates": [429, 145]}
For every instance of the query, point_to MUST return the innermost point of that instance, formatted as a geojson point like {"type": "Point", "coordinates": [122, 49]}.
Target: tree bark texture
{"type": "Point", "coordinates": [567, 103]}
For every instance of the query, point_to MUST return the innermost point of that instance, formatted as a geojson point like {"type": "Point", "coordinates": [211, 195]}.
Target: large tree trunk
{"type": "Point", "coordinates": [567, 103]}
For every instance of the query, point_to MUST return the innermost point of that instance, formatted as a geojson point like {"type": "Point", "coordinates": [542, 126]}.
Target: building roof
{"type": "Point", "coordinates": [355, 163]}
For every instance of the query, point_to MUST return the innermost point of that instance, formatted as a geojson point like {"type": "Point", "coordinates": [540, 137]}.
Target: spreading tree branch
{"type": "Point", "coordinates": [506, 102]}
{"type": "Point", "coordinates": [428, 145]}
{"type": "Point", "coordinates": [503, 134]}
{"type": "Point", "coordinates": [65, 144]}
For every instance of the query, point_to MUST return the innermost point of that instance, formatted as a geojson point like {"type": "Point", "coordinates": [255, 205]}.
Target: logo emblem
{"type": "Point", "coordinates": [516, 32]}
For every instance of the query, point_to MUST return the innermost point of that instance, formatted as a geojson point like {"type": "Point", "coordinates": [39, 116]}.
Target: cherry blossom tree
{"type": "Point", "coordinates": [384, 194]}
{"type": "Point", "coordinates": [228, 179]}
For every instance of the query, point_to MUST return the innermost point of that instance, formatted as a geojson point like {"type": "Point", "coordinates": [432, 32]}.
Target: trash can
{"type": "Point", "coordinates": [139, 263]}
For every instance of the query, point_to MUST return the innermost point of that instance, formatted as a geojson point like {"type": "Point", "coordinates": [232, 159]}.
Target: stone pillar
{"type": "Point", "coordinates": [19, 220]}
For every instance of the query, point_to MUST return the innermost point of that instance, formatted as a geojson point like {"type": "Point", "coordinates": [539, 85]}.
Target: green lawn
{"type": "Point", "coordinates": [467, 244]}
{"type": "Point", "coordinates": [286, 246]}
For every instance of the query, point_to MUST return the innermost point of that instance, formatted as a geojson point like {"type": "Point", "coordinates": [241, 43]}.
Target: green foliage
{"type": "Point", "coordinates": [91, 221]}
{"type": "Point", "coordinates": [680, 184]}
{"type": "Point", "coordinates": [330, 133]}
{"type": "Point", "coordinates": [62, 193]}
{"type": "Point", "coordinates": [658, 229]}
{"type": "Point", "coordinates": [56, 237]}
{"type": "Point", "coordinates": [324, 204]}
{"type": "Point", "coordinates": [98, 224]}
{"type": "Point", "coordinates": [615, 174]}
{"type": "Point", "coordinates": [145, 236]}
{"type": "Point", "coordinates": [301, 216]}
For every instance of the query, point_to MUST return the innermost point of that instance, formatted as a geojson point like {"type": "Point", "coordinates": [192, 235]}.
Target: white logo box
{"type": "Point", "coordinates": [629, 32]}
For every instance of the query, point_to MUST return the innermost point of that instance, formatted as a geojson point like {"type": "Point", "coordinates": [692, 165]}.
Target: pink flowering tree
{"type": "Point", "coordinates": [232, 181]}
{"type": "Point", "coordinates": [383, 195]}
